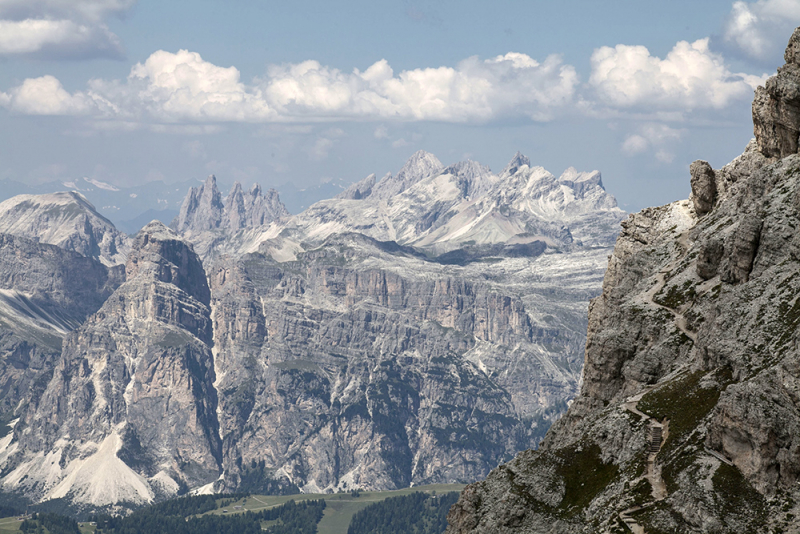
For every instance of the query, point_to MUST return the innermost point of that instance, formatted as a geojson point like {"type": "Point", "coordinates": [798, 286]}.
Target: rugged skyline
{"type": "Point", "coordinates": [128, 92]}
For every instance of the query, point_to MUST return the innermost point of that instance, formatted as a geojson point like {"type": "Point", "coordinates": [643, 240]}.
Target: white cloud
{"type": "Point", "coordinates": [92, 10]}
{"type": "Point", "coordinates": [381, 132]}
{"type": "Point", "coordinates": [54, 29]}
{"type": "Point", "coordinates": [761, 29]}
{"type": "Point", "coordinates": [45, 96]}
{"type": "Point", "coordinates": [653, 136]}
{"type": "Point", "coordinates": [475, 90]}
{"type": "Point", "coordinates": [177, 87]}
{"type": "Point", "coordinates": [690, 77]}
{"type": "Point", "coordinates": [635, 144]}
{"type": "Point", "coordinates": [57, 38]}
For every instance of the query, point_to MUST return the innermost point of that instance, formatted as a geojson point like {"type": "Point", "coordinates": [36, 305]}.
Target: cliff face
{"type": "Point", "coordinates": [688, 414]}
{"type": "Point", "coordinates": [362, 364]}
{"type": "Point", "coordinates": [45, 292]}
{"type": "Point", "coordinates": [130, 412]}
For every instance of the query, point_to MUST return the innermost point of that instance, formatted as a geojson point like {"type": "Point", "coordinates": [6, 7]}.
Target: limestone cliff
{"type": "Point", "coordinates": [130, 412]}
{"type": "Point", "coordinates": [364, 364]}
{"type": "Point", "coordinates": [688, 415]}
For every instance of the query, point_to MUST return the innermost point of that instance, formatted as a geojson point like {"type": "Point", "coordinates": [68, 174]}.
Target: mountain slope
{"type": "Point", "coordinates": [67, 220]}
{"type": "Point", "coordinates": [688, 413]}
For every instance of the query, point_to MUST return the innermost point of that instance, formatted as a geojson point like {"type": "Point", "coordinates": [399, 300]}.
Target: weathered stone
{"type": "Point", "coordinates": [744, 249]}
{"type": "Point", "coordinates": [709, 259]}
{"type": "Point", "coordinates": [704, 187]}
{"type": "Point", "coordinates": [131, 403]}
{"type": "Point", "coordinates": [776, 107]}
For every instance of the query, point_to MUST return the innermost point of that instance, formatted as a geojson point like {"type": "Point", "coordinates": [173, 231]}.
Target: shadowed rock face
{"type": "Point", "coordinates": [776, 107]}
{"type": "Point", "coordinates": [132, 399]}
{"type": "Point", "coordinates": [698, 330]}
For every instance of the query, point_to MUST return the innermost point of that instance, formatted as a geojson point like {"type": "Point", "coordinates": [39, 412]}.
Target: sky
{"type": "Point", "coordinates": [297, 94]}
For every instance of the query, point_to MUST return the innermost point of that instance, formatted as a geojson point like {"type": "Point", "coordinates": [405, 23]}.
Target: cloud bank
{"type": "Point", "coordinates": [184, 88]}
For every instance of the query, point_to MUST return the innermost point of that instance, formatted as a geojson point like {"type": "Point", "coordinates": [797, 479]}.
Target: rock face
{"type": "Point", "coordinates": [776, 108]}
{"type": "Point", "coordinates": [45, 292]}
{"type": "Point", "coordinates": [389, 369]}
{"type": "Point", "coordinates": [130, 412]}
{"type": "Point", "coordinates": [688, 413]}
{"type": "Point", "coordinates": [67, 220]}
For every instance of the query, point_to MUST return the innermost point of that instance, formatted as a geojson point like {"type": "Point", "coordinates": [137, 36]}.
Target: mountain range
{"type": "Point", "coordinates": [416, 329]}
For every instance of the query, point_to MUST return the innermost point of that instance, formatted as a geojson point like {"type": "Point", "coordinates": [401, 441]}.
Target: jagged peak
{"type": "Point", "coordinates": [236, 189]}
{"type": "Point", "coordinates": [420, 165]}
{"type": "Point", "coordinates": [775, 119]}
{"type": "Point", "coordinates": [519, 160]}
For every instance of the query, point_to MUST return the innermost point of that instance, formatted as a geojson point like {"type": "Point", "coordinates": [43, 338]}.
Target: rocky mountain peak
{"type": "Point", "coordinates": [516, 162]}
{"type": "Point", "coordinates": [203, 209]}
{"type": "Point", "coordinates": [67, 220]}
{"type": "Point", "coordinates": [776, 107]}
{"type": "Point", "coordinates": [418, 167]}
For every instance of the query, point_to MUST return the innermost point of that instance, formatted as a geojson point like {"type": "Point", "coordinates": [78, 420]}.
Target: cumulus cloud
{"type": "Point", "coordinates": [689, 77]}
{"type": "Point", "coordinates": [759, 30]}
{"type": "Point", "coordinates": [659, 138]}
{"type": "Point", "coordinates": [73, 29]}
{"type": "Point", "coordinates": [182, 86]}
{"type": "Point", "coordinates": [46, 96]}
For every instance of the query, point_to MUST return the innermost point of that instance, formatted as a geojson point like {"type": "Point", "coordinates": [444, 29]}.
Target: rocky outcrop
{"type": "Point", "coordinates": [66, 220]}
{"type": "Point", "coordinates": [776, 107]}
{"type": "Point", "coordinates": [130, 413]}
{"type": "Point", "coordinates": [704, 186]}
{"type": "Point", "coordinates": [202, 209]}
{"type": "Point", "coordinates": [696, 335]}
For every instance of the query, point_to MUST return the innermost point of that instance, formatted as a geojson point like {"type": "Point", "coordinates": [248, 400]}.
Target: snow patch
{"type": "Point", "coordinates": [100, 185]}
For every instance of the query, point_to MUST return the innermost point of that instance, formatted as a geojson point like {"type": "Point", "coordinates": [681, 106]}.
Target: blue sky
{"type": "Point", "coordinates": [299, 93]}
